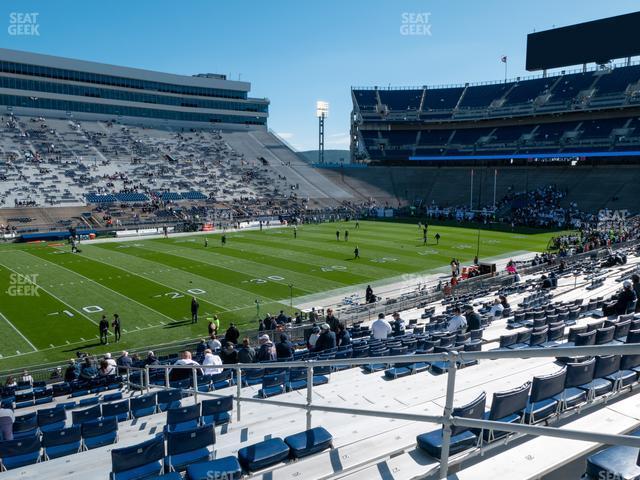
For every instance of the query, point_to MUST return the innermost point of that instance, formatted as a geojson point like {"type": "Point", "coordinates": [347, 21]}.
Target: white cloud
{"type": "Point", "coordinates": [285, 135]}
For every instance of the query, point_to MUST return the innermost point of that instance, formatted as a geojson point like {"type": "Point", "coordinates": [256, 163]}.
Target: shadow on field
{"type": "Point", "coordinates": [177, 324]}
{"type": "Point", "coordinates": [78, 348]}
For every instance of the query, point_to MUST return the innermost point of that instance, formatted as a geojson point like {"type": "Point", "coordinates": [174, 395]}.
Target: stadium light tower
{"type": "Point", "coordinates": [322, 112]}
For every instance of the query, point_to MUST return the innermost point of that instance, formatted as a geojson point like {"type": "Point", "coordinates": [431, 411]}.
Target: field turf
{"type": "Point", "coordinates": [52, 300]}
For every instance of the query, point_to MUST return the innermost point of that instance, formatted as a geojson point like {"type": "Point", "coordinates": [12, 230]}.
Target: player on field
{"type": "Point", "coordinates": [295, 232]}
{"type": "Point", "coordinates": [424, 234]}
{"type": "Point", "coordinates": [437, 239]}
{"type": "Point", "coordinates": [104, 329]}
{"type": "Point", "coordinates": [206, 242]}
{"type": "Point", "coordinates": [223, 239]}
{"type": "Point", "coordinates": [357, 224]}
{"type": "Point", "coordinates": [194, 310]}
{"type": "Point", "coordinates": [338, 235]}
{"type": "Point", "coordinates": [356, 252]}
{"type": "Point", "coordinates": [346, 235]}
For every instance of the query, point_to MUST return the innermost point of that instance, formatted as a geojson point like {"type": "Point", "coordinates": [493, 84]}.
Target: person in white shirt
{"type": "Point", "coordinates": [7, 417]}
{"type": "Point", "coordinates": [185, 359]}
{"type": "Point", "coordinates": [496, 309]}
{"type": "Point", "coordinates": [109, 360]}
{"type": "Point", "coordinates": [26, 377]}
{"type": "Point", "coordinates": [457, 322]}
{"type": "Point", "coordinates": [211, 359]}
{"type": "Point", "coordinates": [380, 328]}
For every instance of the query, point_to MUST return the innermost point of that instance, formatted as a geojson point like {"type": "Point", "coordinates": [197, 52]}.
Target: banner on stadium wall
{"type": "Point", "coordinates": [208, 227]}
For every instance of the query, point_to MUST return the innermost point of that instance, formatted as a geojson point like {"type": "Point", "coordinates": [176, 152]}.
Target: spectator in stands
{"type": "Point", "coordinates": [151, 359]}
{"type": "Point", "coordinates": [457, 322]}
{"type": "Point", "coordinates": [10, 382]}
{"type": "Point", "coordinates": [546, 283]}
{"type": "Point", "coordinates": [201, 347]}
{"type": "Point", "coordinates": [284, 348]}
{"type": "Point", "coordinates": [298, 318]}
{"type": "Point", "coordinates": [246, 354]}
{"type": "Point", "coordinates": [72, 372]}
{"type": "Point", "coordinates": [106, 368]}
{"type": "Point", "coordinates": [125, 360]}
{"type": "Point", "coordinates": [380, 328]}
{"type": "Point", "coordinates": [313, 338]}
{"type": "Point", "coordinates": [368, 295]}
{"type": "Point", "coordinates": [269, 323]}
{"type": "Point", "coordinates": [496, 309]}
{"type": "Point", "coordinates": [229, 354]}
{"type": "Point", "coordinates": [88, 369]}
{"type": "Point", "coordinates": [398, 325]}
{"type": "Point", "coordinates": [211, 327]}
{"type": "Point", "coordinates": [26, 378]}
{"type": "Point", "coordinates": [7, 417]}
{"type": "Point", "coordinates": [473, 319]}
{"type": "Point", "coordinates": [343, 338]}
{"type": "Point", "coordinates": [326, 340]}
{"type": "Point", "coordinates": [232, 334]}
{"type": "Point", "coordinates": [446, 289]}
{"type": "Point", "coordinates": [625, 300]}
{"type": "Point", "coordinates": [267, 350]}
{"type": "Point", "coordinates": [313, 315]}
{"type": "Point", "coordinates": [281, 319]}
{"type": "Point", "coordinates": [635, 280]}
{"type": "Point", "coordinates": [504, 301]}
{"type": "Point", "coordinates": [332, 320]}
{"type": "Point", "coordinates": [214, 344]}
{"type": "Point", "coordinates": [176, 374]}
{"type": "Point", "coordinates": [109, 360]}
{"type": "Point", "coordinates": [211, 359]}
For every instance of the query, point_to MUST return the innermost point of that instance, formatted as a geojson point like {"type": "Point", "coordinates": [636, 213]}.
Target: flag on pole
{"type": "Point", "coordinates": [503, 59]}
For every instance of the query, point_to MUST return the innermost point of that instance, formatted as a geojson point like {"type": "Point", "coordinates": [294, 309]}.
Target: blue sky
{"type": "Point", "coordinates": [298, 51]}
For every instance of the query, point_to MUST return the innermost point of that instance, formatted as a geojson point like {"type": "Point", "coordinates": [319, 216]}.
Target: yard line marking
{"type": "Point", "coordinates": [47, 291]}
{"type": "Point", "coordinates": [110, 289]}
{"type": "Point", "coordinates": [19, 332]}
{"type": "Point", "coordinates": [82, 339]}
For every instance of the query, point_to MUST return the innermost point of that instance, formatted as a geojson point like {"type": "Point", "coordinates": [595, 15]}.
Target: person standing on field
{"type": "Point", "coordinates": [116, 326]}
{"type": "Point", "coordinates": [194, 310]}
{"type": "Point", "coordinates": [104, 330]}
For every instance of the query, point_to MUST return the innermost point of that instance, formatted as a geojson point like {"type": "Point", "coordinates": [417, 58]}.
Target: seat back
{"type": "Point", "coordinates": [633, 336]}
{"type": "Point", "coordinates": [223, 404]}
{"type": "Point", "coordinates": [574, 331]}
{"type": "Point", "coordinates": [273, 380]}
{"type": "Point", "coordinates": [22, 446]}
{"type": "Point", "coordinates": [80, 416]}
{"type": "Point", "coordinates": [144, 401]}
{"type": "Point", "coordinates": [508, 339]}
{"type": "Point", "coordinates": [555, 333]}
{"type": "Point", "coordinates": [606, 365]}
{"type": "Point", "coordinates": [546, 386]}
{"type": "Point", "coordinates": [629, 361]}
{"type": "Point", "coordinates": [524, 336]}
{"type": "Point", "coordinates": [49, 416]}
{"type": "Point", "coordinates": [605, 335]}
{"type": "Point", "coordinates": [474, 409]}
{"type": "Point", "coordinates": [115, 409]}
{"type": "Point", "coordinates": [595, 326]}
{"type": "Point", "coordinates": [136, 456]}
{"type": "Point", "coordinates": [509, 402]}
{"type": "Point", "coordinates": [587, 338]}
{"type": "Point", "coordinates": [183, 414]}
{"type": "Point", "coordinates": [64, 436]}
{"type": "Point", "coordinates": [580, 373]}
{"type": "Point", "coordinates": [538, 338]}
{"type": "Point", "coordinates": [622, 329]}
{"type": "Point", "coordinates": [168, 396]}
{"type": "Point", "coordinates": [26, 422]}
{"type": "Point", "coordinates": [99, 427]}
{"type": "Point", "coordinates": [190, 440]}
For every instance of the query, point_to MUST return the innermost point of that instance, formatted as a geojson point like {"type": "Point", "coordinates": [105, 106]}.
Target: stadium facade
{"type": "Point", "coordinates": [582, 116]}
{"type": "Point", "coordinates": [49, 86]}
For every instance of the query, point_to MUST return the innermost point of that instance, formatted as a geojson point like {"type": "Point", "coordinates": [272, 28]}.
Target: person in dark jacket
{"type": "Point", "coordinates": [267, 350]}
{"type": "Point", "coordinates": [332, 321]}
{"type": "Point", "coordinates": [232, 334]}
{"type": "Point", "coordinates": [284, 348]}
{"type": "Point", "coordinates": [229, 354]}
{"type": "Point", "coordinates": [151, 359]}
{"type": "Point", "coordinates": [71, 373]}
{"type": "Point", "coordinates": [398, 325]}
{"type": "Point", "coordinates": [343, 338]}
{"type": "Point", "coordinates": [326, 340]}
{"type": "Point", "coordinates": [88, 369]}
{"type": "Point", "coordinates": [195, 306]}
{"type": "Point", "coordinates": [624, 301]}
{"type": "Point", "coordinates": [246, 353]}
{"type": "Point", "coordinates": [635, 281]}
{"type": "Point", "coordinates": [473, 319]}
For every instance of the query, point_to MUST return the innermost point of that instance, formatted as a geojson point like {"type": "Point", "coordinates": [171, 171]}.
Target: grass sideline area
{"type": "Point", "coordinates": [52, 300]}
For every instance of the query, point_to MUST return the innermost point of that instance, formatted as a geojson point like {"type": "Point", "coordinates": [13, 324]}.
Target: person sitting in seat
{"type": "Point", "coordinates": [457, 322]}
{"type": "Point", "coordinates": [313, 338]}
{"type": "Point", "coordinates": [211, 359]}
{"type": "Point", "coordinates": [246, 354]}
{"type": "Point", "coordinates": [546, 283]}
{"type": "Point", "coordinates": [182, 373]}
{"type": "Point", "coordinates": [496, 309]}
{"type": "Point", "coordinates": [473, 319]}
{"type": "Point", "coordinates": [625, 300]}
{"type": "Point", "coordinates": [326, 340]}
{"type": "Point", "coordinates": [343, 338]}
{"type": "Point", "coordinates": [267, 350]}
{"type": "Point", "coordinates": [398, 325]}
{"type": "Point", "coordinates": [284, 348]}
{"type": "Point", "coordinates": [380, 329]}
{"type": "Point", "coordinates": [229, 354]}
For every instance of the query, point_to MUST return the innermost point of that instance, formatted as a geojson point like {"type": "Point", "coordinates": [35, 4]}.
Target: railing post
{"type": "Point", "coordinates": [146, 378]}
{"type": "Point", "coordinates": [194, 381]}
{"type": "Point", "coordinates": [448, 408]}
{"type": "Point", "coordinates": [128, 379]}
{"type": "Point", "coordinates": [166, 378]}
{"type": "Point", "coordinates": [309, 393]}
{"type": "Point", "coordinates": [238, 391]}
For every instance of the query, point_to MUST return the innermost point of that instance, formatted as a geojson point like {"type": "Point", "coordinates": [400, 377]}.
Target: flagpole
{"type": "Point", "coordinates": [506, 59]}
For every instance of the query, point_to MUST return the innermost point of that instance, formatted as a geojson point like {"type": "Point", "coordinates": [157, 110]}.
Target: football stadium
{"type": "Point", "coordinates": [204, 277]}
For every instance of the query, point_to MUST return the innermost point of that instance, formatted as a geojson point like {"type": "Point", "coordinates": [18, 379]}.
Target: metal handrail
{"type": "Point", "coordinates": [447, 419]}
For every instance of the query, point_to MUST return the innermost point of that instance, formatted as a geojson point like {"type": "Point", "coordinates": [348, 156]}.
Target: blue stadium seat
{"type": "Point", "coordinates": [97, 433]}
{"type": "Point", "coordinates": [628, 373]}
{"type": "Point", "coordinates": [25, 426]}
{"type": "Point", "coordinates": [189, 446]}
{"type": "Point", "coordinates": [59, 443]}
{"type": "Point", "coordinates": [51, 419]}
{"type": "Point", "coordinates": [119, 410]}
{"type": "Point", "coordinates": [138, 461]}
{"type": "Point", "coordinates": [507, 407]}
{"type": "Point", "coordinates": [462, 438]}
{"type": "Point", "coordinates": [263, 454]}
{"type": "Point", "coordinates": [297, 379]}
{"type": "Point", "coordinates": [272, 385]}
{"type": "Point", "coordinates": [18, 453]}
{"type": "Point", "coordinates": [309, 442]}
{"type": "Point", "coordinates": [112, 397]}
{"type": "Point", "coordinates": [78, 417]}
{"type": "Point", "coordinates": [225, 467]}
{"type": "Point", "coordinates": [169, 399]}
{"type": "Point", "coordinates": [605, 365]}
{"type": "Point", "coordinates": [577, 374]}
{"type": "Point", "coordinates": [143, 406]}
{"type": "Point", "coordinates": [616, 462]}
{"type": "Point", "coordinates": [216, 411]}
{"type": "Point", "coordinates": [542, 402]}
{"type": "Point", "coordinates": [183, 418]}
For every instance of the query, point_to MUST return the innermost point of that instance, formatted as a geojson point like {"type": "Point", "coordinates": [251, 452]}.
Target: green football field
{"type": "Point", "coordinates": [52, 300]}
